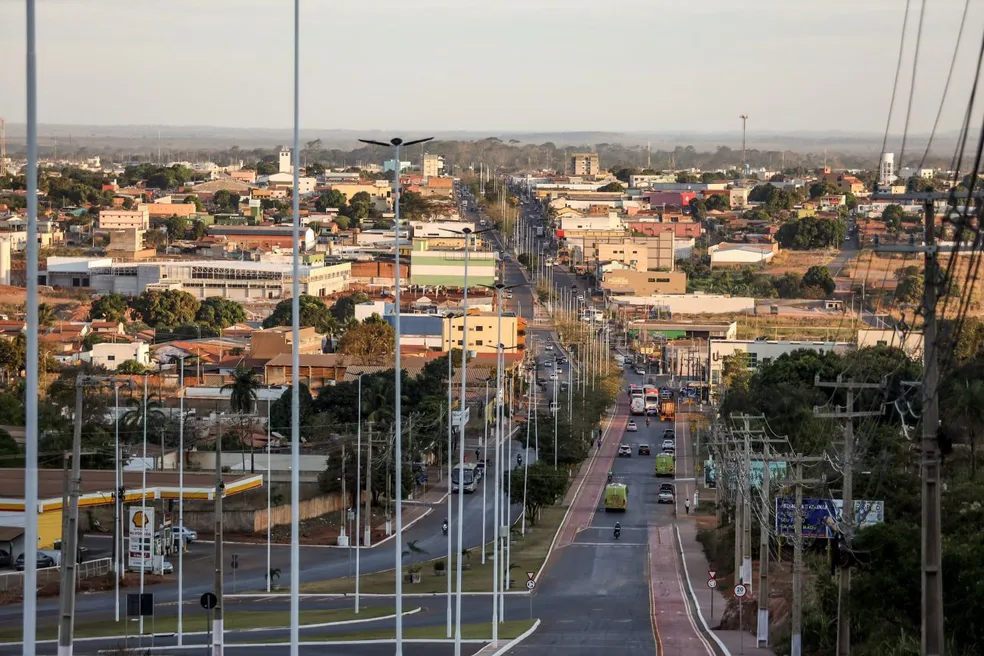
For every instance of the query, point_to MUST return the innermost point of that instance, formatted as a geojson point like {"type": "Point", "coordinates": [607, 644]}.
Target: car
{"type": "Point", "coordinates": [665, 493]}
{"type": "Point", "coordinates": [186, 533]}
{"type": "Point", "coordinates": [640, 371]}
{"type": "Point", "coordinates": [561, 359]}
{"type": "Point", "coordinates": [548, 347]}
{"type": "Point", "coordinates": [668, 445]}
{"type": "Point", "coordinates": [624, 450]}
{"type": "Point", "coordinates": [643, 449]}
{"type": "Point", "coordinates": [44, 560]}
{"type": "Point", "coordinates": [5, 559]}
{"type": "Point", "coordinates": [668, 434]}
{"type": "Point", "coordinates": [631, 427]}
{"type": "Point", "coordinates": [666, 393]}
{"type": "Point", "coordinates": [554, 376]}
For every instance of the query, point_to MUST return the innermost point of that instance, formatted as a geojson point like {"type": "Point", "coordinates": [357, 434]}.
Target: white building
{"type": "Point", "coordinates": [110, 355]}
{"type": "Point", "coordinates": [886, 170]}
{"type": "Point", "coordinates": [439, 229]}
{"type": "Point", "coordinates": [763, 351]}
{"type": "Point", "coordinates": [723, 255]}
{"type": "Point", "coordinates": [284, 163]}
{"type": "Point", "coordinates": [612, 223]}
{"type": "Point", "coordinates": [305, 184]}
{"type": "Point", "coordinates": [122, 219]}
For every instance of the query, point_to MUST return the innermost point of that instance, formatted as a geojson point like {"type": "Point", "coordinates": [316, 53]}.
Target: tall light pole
{"type": "Point", "coordinates": [269, 486]}
{"type": "Point", "coordinates": [117, 511]}
{"type": "Point", "coordinates": [461, 446]}
{"type": "Point", "coordinates": [396, 142]}
{"type": "Point", "coordinates": [450, 318]}
{"type": "Point", "coordinates": [181, 498]}
{"type": "Point", "coordinates": [744, 161]}
{"type": "Point", "coordinates": [358, 489]}
{"type": "Point", "coordinates": [295, 359]}
{"type": "Point", "coordinates": [29, 634]}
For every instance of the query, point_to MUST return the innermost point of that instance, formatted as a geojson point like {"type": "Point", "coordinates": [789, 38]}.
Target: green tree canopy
{"type": "Point", "coordinates": [314, 313]}
{"type": "Point", "coordinates": [612, 187]}
{"type": "Point", "coordinates": [109, 307]}
{"type": "Point", "coordinates": [220, 312]}
{"type": "Point", "coordinates": [819, 276]}
{"type": "Point", "coordinates": [170, 307]}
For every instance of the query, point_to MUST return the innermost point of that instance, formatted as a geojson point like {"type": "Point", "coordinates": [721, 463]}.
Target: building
{"type": "Point", "coordinates": [231, 279]}
{"type": "Point", "coordinates": [583, 165]}
{"type": "Point", "coordinates": [483, 332]}
{"type": "Point", "coordinates": [117, 219]}
{"type": "Point", "coordinates": [284, 162]}
{"type": "Point", "coordinates": [688, 304]}
{"type": "Point", "coordinates": [447, 268]}
{"type": "Point", "coordinates": [737, 255]}
{"type": "Point", "coordinates": [845, 183]}
{"type": "Point", "coordinates": [269, 343]}
{"type": "Point", "coordinates": [644, 283]}
{"type": "Point", "coordinates": [738, 197]}
{"type": "Point", "coordinates": [166, 210]}
{"type": "Point", "coordinates": [380, 191]}
{"type": "Point", "coordinates": [886, 170]}
{"type": "Point", "coordinates": [909, 342]}
{"type": "Point", "coordinates": [663, 199]}
{"type": "Point", "coordinates": [98, 488]}
{"type": "Point", "coordinates": [285, 181]}
{"type": "Point", "coordinates": [433, 165]}
{"type": "Point", "coordinates": [264, 237]}
{"type": "Point", "coordinates": [632, 255]}
{"type": "Point", "coordinates": [762, 352]}
{"type": "Point", "coordinates": [316, 370]}
{"type": "Point", "coordinates": [609, 222]}
{"type": "Point", "coordinates": [109, 355]}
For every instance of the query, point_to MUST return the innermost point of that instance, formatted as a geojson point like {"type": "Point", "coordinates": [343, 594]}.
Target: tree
{"type": "Point", "coordinates": [718, 202]}
{"type": "Point", "coordinates": [225, 201]}
{"type": "Point", "coordinates": [964, 405]}
{"type": "Point", "coordinates": [176, 227]}
{"type": "Point", "coordinates": [789, 285]}
{"type": "Point", "coordinates": [736, 371]}
{"type": "Point", "coordinates": [342, 222]}
{"type": "Point", "coordinates": [170, 307]}
{"type": "Point", "coordinates": [131, 367]}
{"type": "Point", "coordinates": [687, 178]}
{"type": "Point", "coordinates": [810, 233]}
{"type": "Point", "coordinates": [819, 276]}
{"type": "Point", "coordinates": [612, 187]}
{"type": "Point", "coordinates": [413, 206]}
{"type": "Point", "coordinates": [132, 420]}
{"type": "Point", "coordinates": [819, 189]}
{"type": "Point", "coordinates": [893, 216]}
{"type": "Point", "coordinates": [909, 285]}
{"type": "Point", "coordinates": [361, 206]}
{"type": "Point", "coordinates": [220, 312]}
{"type": "Point", "coordinates": [243, 388]}
{"type": "Point", "coordinates": [280, 413]}
{"type": "Point", "coordinates": [544, 485]}
{"type": "Point", "coordinates": [314, 313]}
{"type": "Point", "coordinates": [194, 200]}
{"type": "Point", "coordinates": [371, 342]}
{"type": "Point", "coordinates": [198, 230]}
{"type": "Point", "coordinates": [343, 308]}
{"type": "Point", "coordinates": [46, 314]}
{"type": "Point", "coordinates": [109, 307]}
{"type": "Point", "coordinates": [331, 198]}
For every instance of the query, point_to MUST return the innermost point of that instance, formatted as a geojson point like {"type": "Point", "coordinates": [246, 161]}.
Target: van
{"type": "Point", "coordinates": [616, 497]}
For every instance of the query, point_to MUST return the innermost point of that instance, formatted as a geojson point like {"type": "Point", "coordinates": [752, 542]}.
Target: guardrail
{"type": "Point", "coordinates": [86, 570]}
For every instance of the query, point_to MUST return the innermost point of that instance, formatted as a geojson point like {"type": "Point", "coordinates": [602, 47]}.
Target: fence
{"type": "Point", "coordinates": [89, 569]}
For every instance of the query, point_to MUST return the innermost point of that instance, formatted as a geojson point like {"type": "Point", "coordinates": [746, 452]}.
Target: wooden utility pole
{"type": "Point", "coordinates": [846, 527]}
{"type": "Point", "coordinates": [796, 647]}
{"type": "Point", "coordinates": [932, 565]}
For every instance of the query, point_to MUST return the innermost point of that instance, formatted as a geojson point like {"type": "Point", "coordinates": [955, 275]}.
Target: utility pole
{"type": "Point", "coordinates": [217, 634]}
{"type": "Point", "coordinates": [796, 647]}
{"type": "Point", "coordinates": [847, 522]}
{"type": "Point", "coordinates": [70, 532]}
{"type": "Point", "coordinates": [932, 566]}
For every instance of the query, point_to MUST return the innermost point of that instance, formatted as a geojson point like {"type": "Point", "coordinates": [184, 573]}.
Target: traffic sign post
{"type": "Point", "coordinates": [740, 592]}
{"type": "Point", "coordinates": [209, 601]}
{"type": "Point", "coordinates": [235, 566]}
{"type": "Point", "coordinates": [711, 584]}
{"type": "Point", "coordinates": [531, 585]}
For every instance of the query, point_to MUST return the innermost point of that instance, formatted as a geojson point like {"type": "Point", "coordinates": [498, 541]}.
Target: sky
{"type": "Point", "coordinates": [491, 65]}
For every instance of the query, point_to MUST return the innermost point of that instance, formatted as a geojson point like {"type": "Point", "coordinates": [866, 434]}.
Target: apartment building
{"type": "Point", "coordinates": [645, 283]}
{"type": "Point", "coordinates": [117, 219]}
{"type": "Point", "coordinates": [433, 165]}
{"type": "Point", "coordinates": [634, 256]}
{"type": "Point", "coordinates": [583, 164]}
{"type": "Point", "coordinates": [483, 332]}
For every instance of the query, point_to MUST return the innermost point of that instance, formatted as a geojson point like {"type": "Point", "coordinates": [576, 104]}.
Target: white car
{"type": "Point", "coordinates": [669, 445]}
{"type": "Point", "coordinates": [186, 533]}
{"type": "Point", "coordinates": [553, 376]}
{"type": "Point", "coordinates": [631, 427]}
{"type": "Point", "coordinates": [548, 347]}
{"type": "Point", "coordinates": [625, 450]}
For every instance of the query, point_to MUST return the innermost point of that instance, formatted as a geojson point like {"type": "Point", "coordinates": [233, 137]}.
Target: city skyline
{"type": "Point", "coordinates": [516, 66]}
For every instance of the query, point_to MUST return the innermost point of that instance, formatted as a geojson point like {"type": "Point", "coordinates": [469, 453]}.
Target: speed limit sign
{"type": "Point", "coordinates": [712, 583]}
{"type": "Point", "coordinates": [740, 591]}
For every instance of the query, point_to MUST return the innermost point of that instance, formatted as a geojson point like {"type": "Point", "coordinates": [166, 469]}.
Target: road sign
{"type": "Point", "coordinates": [712, 573]}
{"type": "Point", "coordinates": [712, 583]}
{"type": "Point", "coordinates": [457, 419]}
{"type": "Point", "coordinates": [530, 584]}
{"type": "Point", "coordinates": [140, 604]}
{"type": "Point", "coordinates": [209, 600]}
{"type": "Point", "coordinates": [740, 591]}
{"type": "Point", "coordinates": [235, 561]}
{"type": "Point", "coordinates": [531, 575]}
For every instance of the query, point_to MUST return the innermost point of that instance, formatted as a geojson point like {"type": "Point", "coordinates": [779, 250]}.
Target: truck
{"type": "Point", "coordinates": [665, 464]}
{"type": "Point", "coordinates": [638, 405]}
{"type": "Point", "coordinates": [616, 497]}
{"type": "Point", "coordinates": [667, 410]}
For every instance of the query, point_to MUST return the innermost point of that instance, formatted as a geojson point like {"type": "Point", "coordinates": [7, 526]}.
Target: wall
{"type": "Point", "coordinates": [255, 521]}
{"type": "Point", "coordinates": [646, 283]}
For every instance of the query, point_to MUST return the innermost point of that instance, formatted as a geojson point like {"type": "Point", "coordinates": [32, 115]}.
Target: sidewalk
{"type": "Point", "coordinates": [696, 568]}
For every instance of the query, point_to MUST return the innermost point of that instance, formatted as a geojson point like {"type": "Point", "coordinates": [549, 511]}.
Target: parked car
{"type": "Point", "coordinates": [631, 427]}
{"type": "Point", "coordinates": [643, 449]}
{"type": "Point", "coordinates": [5, 559]}
{"type": "Point", "coordinates": [640, 371]}
{"type": "Point", "coordinates": [44, 560]}
{"type": "Point", "coordinates": [186, 533]}
{"type": "Point", "coordinates": [624, 450]}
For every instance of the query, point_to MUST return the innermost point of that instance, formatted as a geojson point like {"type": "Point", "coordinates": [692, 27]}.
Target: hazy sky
{"type": "Point", "coordinates": [653, 65]}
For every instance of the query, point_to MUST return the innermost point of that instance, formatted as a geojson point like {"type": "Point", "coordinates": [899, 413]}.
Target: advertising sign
{"type": "Point", "coordinates": [141, 532]}
{"type": "Point", "coordinates": [820, 516]}
{"type": "Point", "coordinates": [777, 473]}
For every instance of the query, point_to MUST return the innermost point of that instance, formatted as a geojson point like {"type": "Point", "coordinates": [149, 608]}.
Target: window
{"type": "Point", "coordinates": [479, 329]}
{"type": "Point", "coordinates": [111, 358]}
{"type": "Point", "coordinates": [479, 342]}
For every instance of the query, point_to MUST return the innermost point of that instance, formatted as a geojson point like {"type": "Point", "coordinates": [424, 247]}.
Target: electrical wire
{"type": "Point", "coordinates": [895, 84]}
{"type": "Point", "coordinates": [912, 81]}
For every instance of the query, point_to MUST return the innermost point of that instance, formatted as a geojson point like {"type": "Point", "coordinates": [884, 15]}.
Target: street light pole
{"type": "Point", "coordinates": [358, 489]}
{"type": "Point", "coordinates": [181, 528]}
{"type": "Point", "coordinates": [295, 362]}
{"type": "Point", "coordinates": [485, 458]}
{"type": "Point", "coordinates": [396, 142]}
{"type": "Point", "coordinates": [447, 569]}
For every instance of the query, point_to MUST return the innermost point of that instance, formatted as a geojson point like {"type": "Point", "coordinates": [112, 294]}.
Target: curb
{"type": "Point", "coordinates": [373, 595]}
{"type": "Point", "coordinates": [693, 595]}
{"type": "Point", "coordinates": [201, 633]}
{"type": "Point", "coordinates": [516, 641]}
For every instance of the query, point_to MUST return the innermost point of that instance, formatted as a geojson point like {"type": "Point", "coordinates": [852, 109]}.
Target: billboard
{"type": "Point", "coordinates": [818, 514]}
{"type": "Point", "coordinates": [777, 473]}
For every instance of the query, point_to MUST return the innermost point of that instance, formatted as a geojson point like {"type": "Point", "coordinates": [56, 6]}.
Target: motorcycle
{"type": "Point", "coordinates": [609, 477]}
{"type": "Point", "coordinates": [444, 527]}
{"type": "Point", "coordinates": [618, 531]}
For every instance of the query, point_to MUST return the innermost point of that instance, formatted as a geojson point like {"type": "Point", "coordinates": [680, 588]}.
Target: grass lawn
{"type": "Point", "coordinates": [507, 631]}
{"type": "Point", "coordinates": [528, 554]}
{"type": "Point", "coordinates": [196, 621]}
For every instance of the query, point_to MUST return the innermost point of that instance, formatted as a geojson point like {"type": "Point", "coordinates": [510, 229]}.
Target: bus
{"type": "Point", "coordinates": [468, 482]}
{"type": "Point", "coordinates": [635, 390]}
{"type": "Point", "coordinates": [637, 406]}
{"type": "Point", "coordinates": [651, 394]}
{"type": "Point", "coordinates": [616, 497]}
{"type": "Point", "coordinates": [665, 464]}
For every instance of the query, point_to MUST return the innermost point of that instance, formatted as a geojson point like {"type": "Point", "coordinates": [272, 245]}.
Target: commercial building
{"type": "Point", "coordinates": [120, 219]}
{"type": "Point", "coordinates": [583, 164]}
{"type": "Point", "coordinates": [738, 255]}
{"type": "Point", "coordinates": [269, 343]}
{"type": "Point", "coordinates": [166, 210]}
{"type": "Point", "coordinates": [263, 237]}
{"type": "Point", "coordinates": [447, 268]}
{"type": "Point", "coordinates": [763, 351]}
{"type": "Point", "coordinates": [231, 279]}
{"type": "Point", "coordinates": [483, 332]}
{"type": "Point", "coordinates": [645, 283]}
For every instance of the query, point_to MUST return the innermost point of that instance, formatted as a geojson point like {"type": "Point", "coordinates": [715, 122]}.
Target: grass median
{"type": "Point", "coordinates": [507, 631]}
{"type": "Point", "coordinates": [528, 554]}
{"type": "Point", "coordinates": [197, 622]}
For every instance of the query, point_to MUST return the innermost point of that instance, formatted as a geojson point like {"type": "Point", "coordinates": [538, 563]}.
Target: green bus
{"type": "Point", "coordinates": [665, 464]}
{"type": "Point", "coordinates": [616, 497]}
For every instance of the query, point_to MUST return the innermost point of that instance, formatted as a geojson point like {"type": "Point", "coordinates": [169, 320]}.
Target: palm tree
{"type": "Point", "coordinates": [242, 400]}
{"type": "Point", "coordinates": [132, 421]}
{"type": "Point", "coordinates": [966, 401]}
{"type": "Point", "coordinates": [414, 550]}
{"type": "Point", "coordinates": [46, 314]}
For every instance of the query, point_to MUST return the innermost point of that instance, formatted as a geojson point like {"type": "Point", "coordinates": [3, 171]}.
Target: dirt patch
{"type": "Point", "coordinates": [322, 530]}
{"type": "Point", "coordinates": [94, 584]}
{"type": "Point", "coordinates": [799, 261]}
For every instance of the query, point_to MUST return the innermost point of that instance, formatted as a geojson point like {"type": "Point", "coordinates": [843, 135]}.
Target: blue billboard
{"type": "Point", "coordinates": [821, 516]}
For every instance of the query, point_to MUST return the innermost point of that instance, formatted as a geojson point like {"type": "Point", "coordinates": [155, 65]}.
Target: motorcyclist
{"type": "Point", "coordinates": [444, 526]}
{"type": "Point", "coordinates": [519, 459]}
{"type": "Point", "coordinates": [609, 476]}
{"type": "Point", "coordinates": [647, 420]}
{"type": "Point", "coordinates": [618, 530]}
